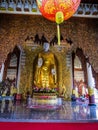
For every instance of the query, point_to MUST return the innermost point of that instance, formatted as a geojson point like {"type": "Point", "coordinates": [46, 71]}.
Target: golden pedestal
{"type": "Point", "coordinates": [45, 99]}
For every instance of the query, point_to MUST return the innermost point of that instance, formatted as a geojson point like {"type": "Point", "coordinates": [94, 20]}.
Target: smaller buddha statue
{"type": "Point", "coordinates": [13, 90]}
{"type": "Point", "coordinates": [46, 71]}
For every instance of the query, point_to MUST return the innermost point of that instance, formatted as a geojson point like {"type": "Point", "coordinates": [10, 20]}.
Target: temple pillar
{"type": "Point", "coordinates": [91, 85]}
{"type": "Point", "coordinates": [1, 71]}
{"type": "Point", "coordinates": [73, 86]}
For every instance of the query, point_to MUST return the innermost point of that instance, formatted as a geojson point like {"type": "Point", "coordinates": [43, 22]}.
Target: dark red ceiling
{"type": "Point", "coordinates": [90, 1]}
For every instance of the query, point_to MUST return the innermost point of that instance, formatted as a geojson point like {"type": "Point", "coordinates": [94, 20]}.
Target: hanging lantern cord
{"type": "Point", "coordinates": [58, 34]}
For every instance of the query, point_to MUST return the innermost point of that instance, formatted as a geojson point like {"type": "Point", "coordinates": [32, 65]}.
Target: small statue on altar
{"type": "Point", "coordinates": [13, 90]}
{"type": "Point", "coordinates": [46, 70]}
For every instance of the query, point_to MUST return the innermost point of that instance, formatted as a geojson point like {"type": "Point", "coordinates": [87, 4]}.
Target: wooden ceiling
{"type": "Point", "coordinates": [90, 1]}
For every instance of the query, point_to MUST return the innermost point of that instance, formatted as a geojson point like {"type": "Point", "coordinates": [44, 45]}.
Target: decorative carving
{"type": "Point", "coordinates": [43, 39]}
{"type": "Point", "coordinates": [36, 39]}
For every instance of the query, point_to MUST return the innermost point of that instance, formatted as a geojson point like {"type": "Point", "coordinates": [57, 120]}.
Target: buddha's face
{"type": "Point", "coordinates": [46, 46]}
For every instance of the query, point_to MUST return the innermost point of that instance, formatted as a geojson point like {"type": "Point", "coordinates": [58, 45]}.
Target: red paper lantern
{"type": "Point", "coordinates": [58, 10]}
{"type": "Point", "coordinates": [49, 8]}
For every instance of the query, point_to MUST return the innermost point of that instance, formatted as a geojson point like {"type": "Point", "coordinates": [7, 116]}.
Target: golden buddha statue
{"type": "Point", "coordinates": [45, 73]}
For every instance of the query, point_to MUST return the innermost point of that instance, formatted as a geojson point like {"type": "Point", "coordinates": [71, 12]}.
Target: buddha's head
{"type": "Point", "coordinates": [46, 46]}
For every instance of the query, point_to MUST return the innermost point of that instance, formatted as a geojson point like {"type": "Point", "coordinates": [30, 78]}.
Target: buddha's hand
{"type": "Point", "coordinates": [53, 71]}
{"type": "Point", "coordinates": [40, 62]}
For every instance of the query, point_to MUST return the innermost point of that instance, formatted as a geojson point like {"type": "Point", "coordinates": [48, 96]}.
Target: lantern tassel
{"type": "Point", "coordinates": [58, 34]}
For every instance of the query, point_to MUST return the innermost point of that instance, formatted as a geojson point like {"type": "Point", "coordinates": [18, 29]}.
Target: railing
{"type": "Point", "coordinates": [19, 7]}
{"type": "Point", "coordinates": [87, 10]}
{"type": "Point", "coordinates": [30, 7]}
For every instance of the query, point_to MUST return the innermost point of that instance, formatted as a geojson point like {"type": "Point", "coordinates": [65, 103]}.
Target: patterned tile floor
{"type": "Point", "coordinates": [67, 112]}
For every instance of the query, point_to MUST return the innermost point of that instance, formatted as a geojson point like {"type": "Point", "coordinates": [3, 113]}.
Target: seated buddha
{"type": "Point", "coordinates": [45, 73]}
